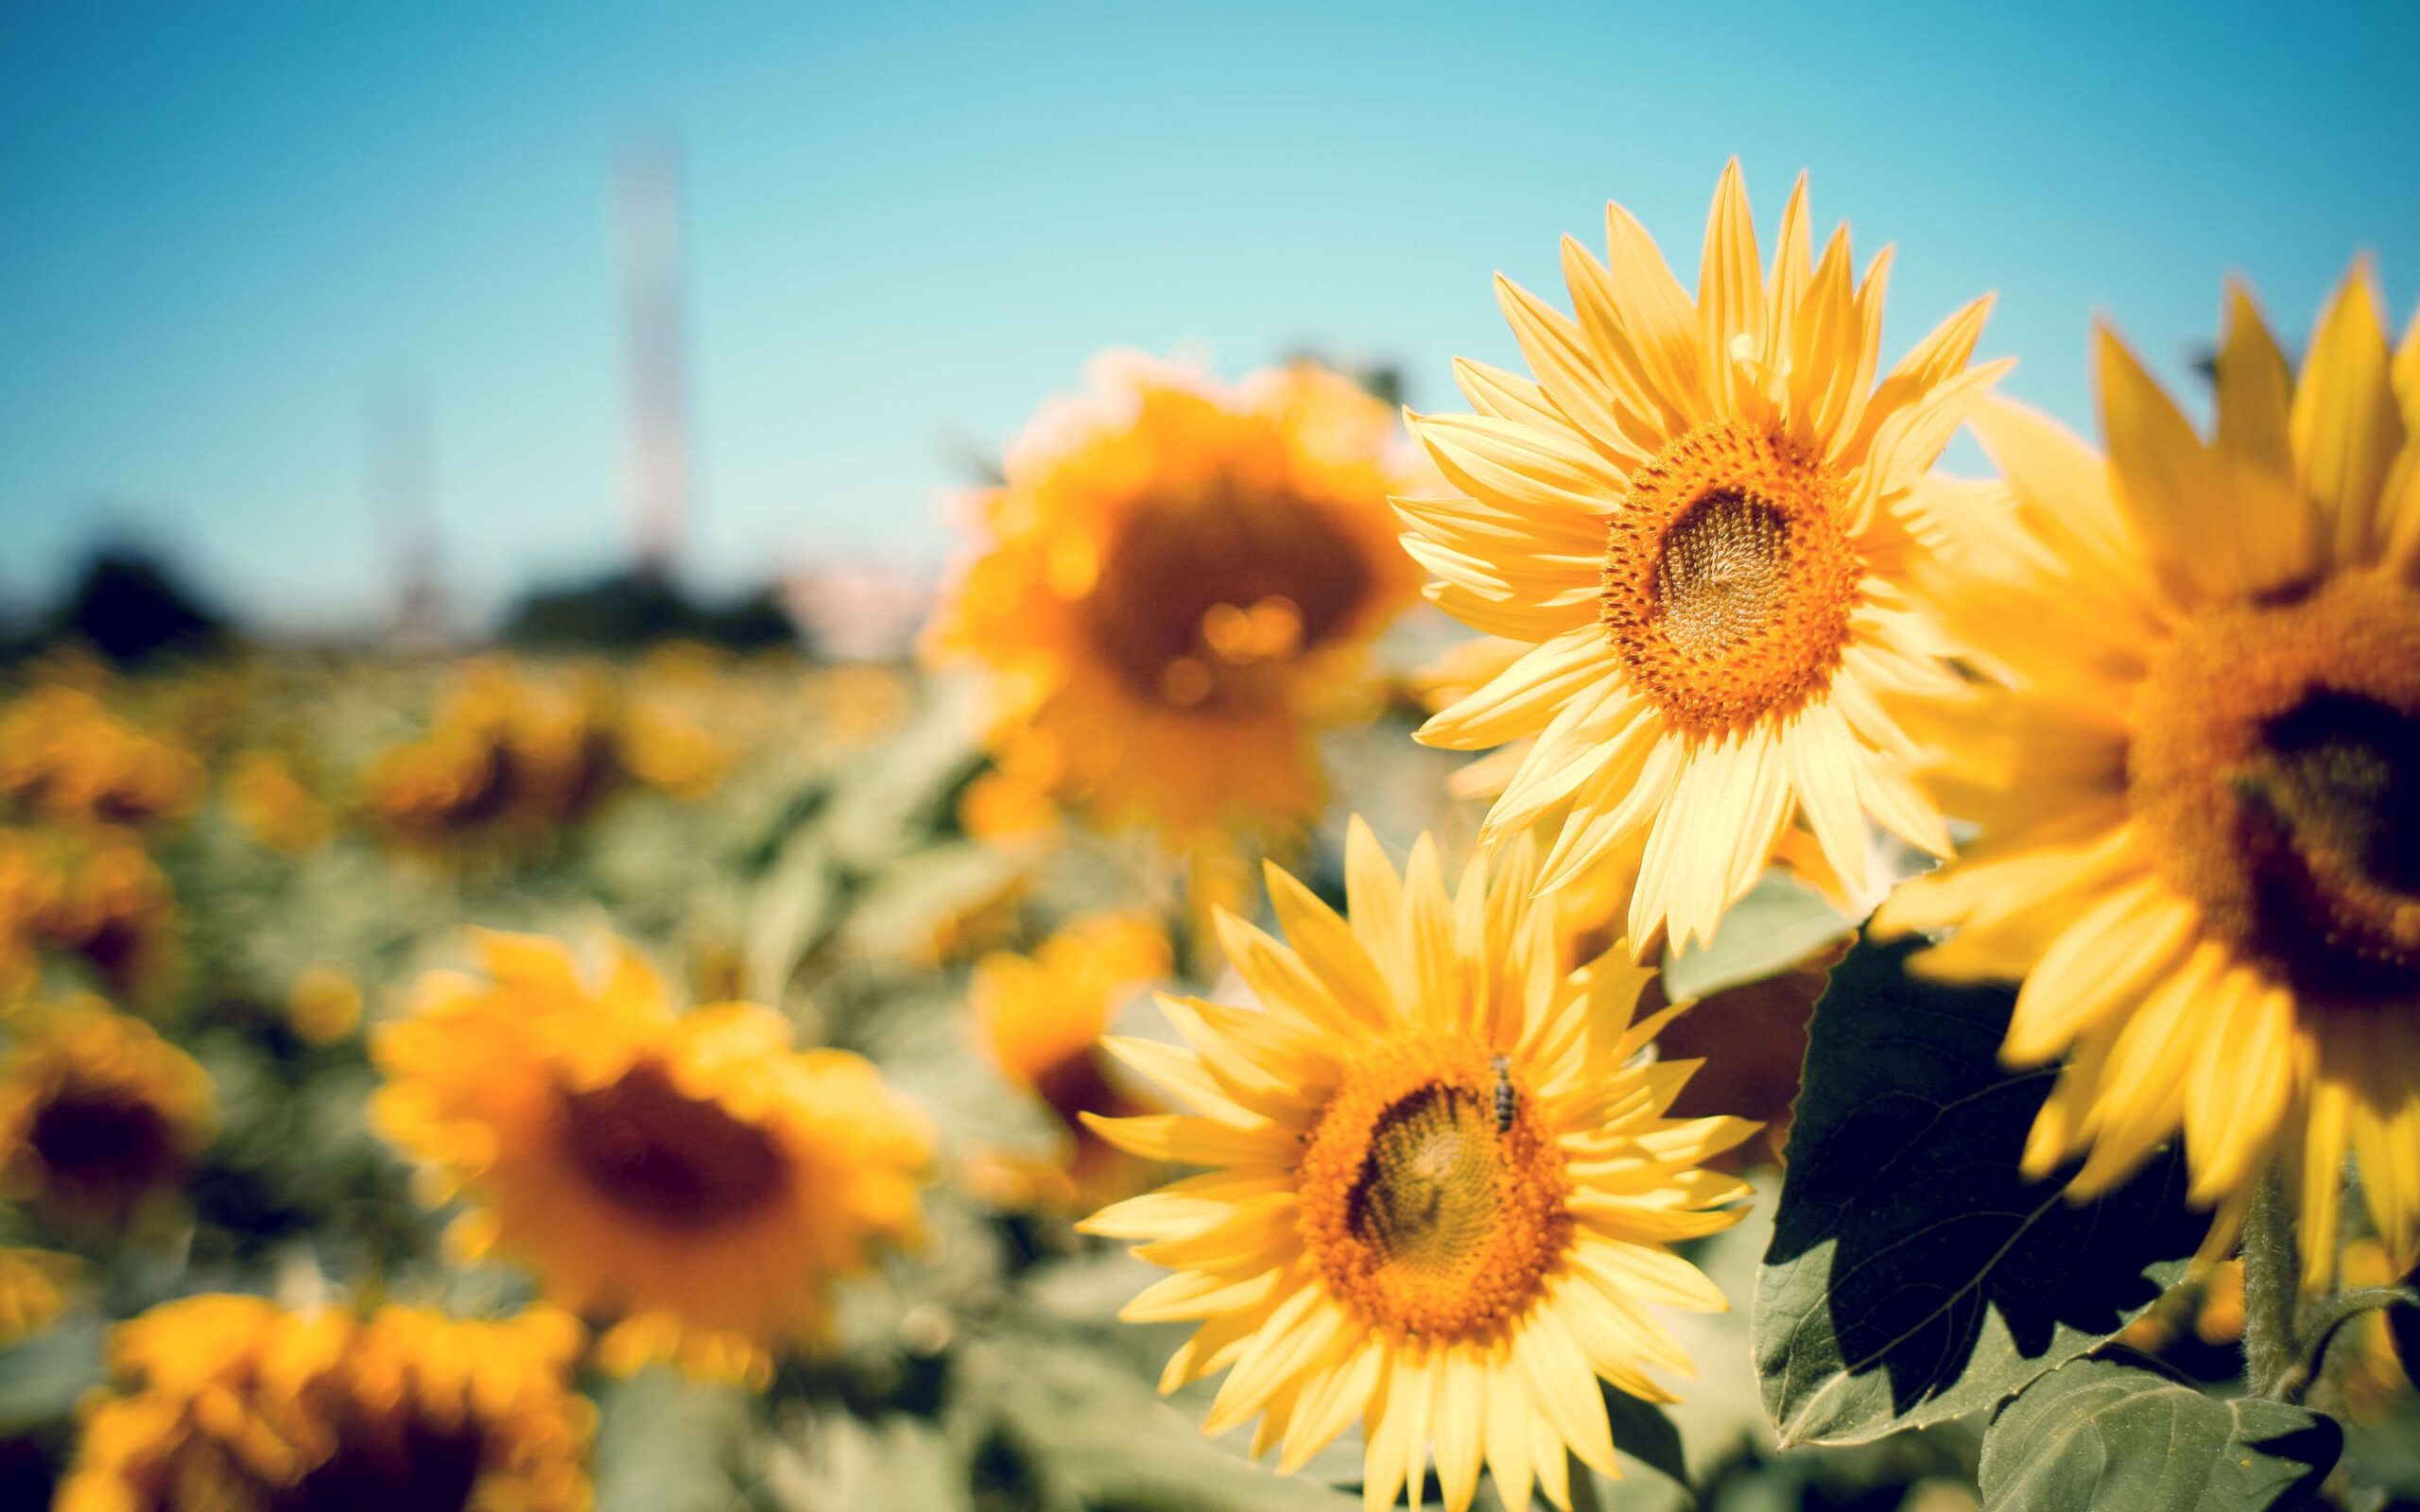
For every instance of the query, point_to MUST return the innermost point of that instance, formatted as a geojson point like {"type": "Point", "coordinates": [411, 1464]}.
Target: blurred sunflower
{"type": "Point", "coordinates": [227, 1402]}
{"type": "Point", "coordinates": [1702, 520]}
{"type": "Point", "coordinates": [33, 1292]}
{"type": "Point", "coordinates": [1444, 1184]}
{"type": "Point", "coordinates": [97, 1111]}
{"type": "Point", "coordinates": [324, 1004]}
{"type": "Point", "coordinates": [2199, 780]}
{"type": "Point", "coordinates": [692, 1175]}
{"type": "Point", "coordinates": [1176, 585]}
{"type": "Point", "coordinates": [510, 758]}
{"type": "Point", "coordinates": [270, 801]}
{"type": "Point", "coordinates": [63, 755]}
{"type": "Point", "coordinates": [92, 891]}
{"type": "Point", "coordinates": [1040, 1018]}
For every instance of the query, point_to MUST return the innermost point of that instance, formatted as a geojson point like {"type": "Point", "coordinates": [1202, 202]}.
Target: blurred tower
{"type": "Point", "coordinates": [402, 492]}
{"type": "Point", "coordinates": [646, 206]}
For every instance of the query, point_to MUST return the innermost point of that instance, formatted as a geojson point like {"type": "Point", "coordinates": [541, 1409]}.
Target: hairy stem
{"type": "Point", "coordinates": [2273, 1358]}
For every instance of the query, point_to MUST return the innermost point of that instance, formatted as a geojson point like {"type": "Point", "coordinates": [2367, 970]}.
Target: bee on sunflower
{"type": "Point", "coordinates": [1443, 1182]}
{"type": "Point", "coordinates": [2196, 771]}
{"type": "Point", "coordinates": [1701, 521]}
{"type": "Point", "coordinates": [693, 1176]}
{"type": "Point", "coordinates": [225, 1401]}
{"type": "Point", "coordinates": [1175, 586]}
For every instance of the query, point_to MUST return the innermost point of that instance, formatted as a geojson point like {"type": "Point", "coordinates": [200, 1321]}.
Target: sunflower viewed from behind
{"type": "Point", "coordinates": [1700, 519]}
{"type": "Point", "coordinates": [1175, 585]}
{"type": "Point", "coordinates": [693, 1174]}
{"type": "Point", "coordinates": [227, 1402]}
{"type": "Point", "coordinates": [2198, 784]}
{"type": "Point", "coordinates": [1441, 1183]}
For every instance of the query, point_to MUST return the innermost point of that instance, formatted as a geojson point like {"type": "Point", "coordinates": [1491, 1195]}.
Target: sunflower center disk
{"type": "Point", "coordinates": [669, 1158]}
{"type": "Point", "coordinates": [102, 1148]}
{"type": "Point", "coordinates": [1429, 1214]}
{"type": "Point", "coordinates": [2276, 768]}
{"type": "Point", "coordinates": [1206, 598]}
{"type": "Point", "coordinates": [1728, 578]}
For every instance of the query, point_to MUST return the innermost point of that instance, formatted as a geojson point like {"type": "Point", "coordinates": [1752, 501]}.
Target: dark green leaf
{"type": "Point", "coordinates": [1642, 1432]}
{"type": "Point", "coordinates": [2111, 1434]}
{"type": "Point", "coordinates": [1914, 1274]}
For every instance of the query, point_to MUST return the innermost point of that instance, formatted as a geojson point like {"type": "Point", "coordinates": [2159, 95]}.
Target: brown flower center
{"type": "Point", "coordinates": [2276, 768]}
{"type": "Point", "coordinates": [1206, 597]}
{"type": "Point", "coordinates": [389, 1462]}
{"type": "Point", "coordinates": [98, 1146]}
{"type": "Point", "coordinates": [669, 1158]}
{"type": "Point", "coordinates": [1728, 578]}
{"type": "Point", "coordinates": [1432, 1197]}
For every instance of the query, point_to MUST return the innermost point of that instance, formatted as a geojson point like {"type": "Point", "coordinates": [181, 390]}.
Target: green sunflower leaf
{"type": "Point", "coordinates": [1914, 1274]}
{"type": "Point", "coordinates": [2117, 1433]}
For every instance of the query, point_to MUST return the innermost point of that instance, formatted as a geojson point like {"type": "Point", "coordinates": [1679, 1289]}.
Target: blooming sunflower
{"type": "Point", "coordinates": [692, 1174]}
{"type": "Point", "coordinates": [226, 1402]}
{"type": "Point", "coordinates": [1444, 1183]}
{"type": "Point", "coordinates": [1175, 585]}
{"type": "Point", "coordinates": [63, 755]}
{"type": "Point", "coordinates": [1701, 521]}
{"type": "Point", "coordinates": [1041, 1017]}
{"type": "Point", "coordinates": [2197, 777]}
{"type": "Point", "coordinates": [97, 1111]}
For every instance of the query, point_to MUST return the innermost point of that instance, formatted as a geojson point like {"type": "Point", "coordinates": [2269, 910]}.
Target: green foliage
{"type": "Point", "coordinates": [2117, 1434]}
{"type": "Point", "coordinates": [1914, 1274]}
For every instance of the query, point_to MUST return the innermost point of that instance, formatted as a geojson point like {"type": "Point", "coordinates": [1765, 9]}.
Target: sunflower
{"type": "Point", "coordinates": [33, 1291]}
{"type": "Point", "coordinates": [2197, 777]}
{"type": "Point", "coordinates": [96, 1111]}
{"type": "Point", "coordinates": [1176, 585]}
{"type": "Point", "coordinates": [324, 1004]}
{"type": "Point", "coordinates": [268, 797]}
{"type": "Point", "coordinates": [91, 891]}
{"type": "Point", "coordinates": [1701, 521]}
{"type": "Point", "coordinates": [693, 1174]}
{"type": "Point", "coordinates": [510, 758]}
{"type": "Point", "coordinates": [1040, 1018]}
{"type": "Point", "coordinates": [63, 755]}
{"type": "Point", "coordinates": [224, 1401]}
{"type": "Point", "coordinates": [1444, 1184]}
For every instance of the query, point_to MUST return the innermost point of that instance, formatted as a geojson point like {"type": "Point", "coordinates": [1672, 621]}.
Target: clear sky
{"type": "Point", "coordinates": [225, 228]}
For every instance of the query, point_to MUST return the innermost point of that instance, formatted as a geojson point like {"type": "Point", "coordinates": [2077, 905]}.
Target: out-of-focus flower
{"type": "Point", "coordinates": [96, 1111]}
{"type": "Point", "coordinates": [223, 1402]}
{"type": "Point", "coordinates": [669, 753]}
{"type": "Point", "coordinates": [1702, 520]}
{"type": "Point", "coordinates": [90, 891]}
{"type": "Point", "coordinates": [508, 758]}
{"type": "Point", "coordinates": [2364, 1355]}
{"type": "Point", "coordinates": [1003, 806]}
{"type": "Point", "coordinates": [2194, 769]}
{"type": "Point", "coordinates": [1040, 1018]}
{"type": "Point", "coordinates": [33, 1292]}
{"type": "Point", "coordinates": [63, 755]}
{"type": "Point", "coordinates": [693, 1173]}
{"type": "Point", "coordinates": [273, 804]}
{"type": "Point", "coordinates": [324, 1005]}
{"type": "Point", "coordinates": [1443, 1183]}
{"type": "Point", "coordinates": [1176, 585]}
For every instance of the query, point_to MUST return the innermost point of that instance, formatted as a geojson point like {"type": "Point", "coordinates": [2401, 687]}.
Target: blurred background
{"type": "Point", "coordinates": [368, 316]}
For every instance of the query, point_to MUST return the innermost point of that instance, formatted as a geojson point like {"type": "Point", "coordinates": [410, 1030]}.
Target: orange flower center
{"type": "Point", "coordinates": [1728, 580]}
{"type": "Point", "coordinates": [1206, 598]}
{"type": "Point", "coordinates": [2276, 768]}
{"type": "Point", "coordinates": [1431, 1199]}
{"type": "Point", "coordinates": [668, 1158]}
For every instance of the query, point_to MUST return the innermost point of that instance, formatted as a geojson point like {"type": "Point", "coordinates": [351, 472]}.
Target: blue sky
{"type": "Point", "coordinates": [225, 228]}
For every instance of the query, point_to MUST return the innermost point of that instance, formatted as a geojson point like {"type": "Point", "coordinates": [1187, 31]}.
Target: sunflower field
{"type": "Point", "coordinates": [1634, 944]}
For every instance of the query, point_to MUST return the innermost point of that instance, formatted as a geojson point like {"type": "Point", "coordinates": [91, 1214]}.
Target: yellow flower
{"type": "Point", "coordinates": [1040, 1018]}
{"type": "Point", "coordinates": [273, 805]}
{"type": "Point", "coordinates": [509, 758]}
{"type": "Point", "coordinates": [2195, 786]}
{"type": "Point", "coordinates": [226, 1402]}
{"type": "Point", "coordinates": [1700, 519]}
{"type": "Point", "coordinates": [33, 1292]}
{"type": "Point", "coordinates": [324, 1004]}
{"type": "Point", "coordinates": [1176, 585]}
{"type": "Point", "coordinates": [97, 1111]}
{"type": "Point", "coordinates": [1443, 1184]}
{"type": "Point", "coordinates": [65, 756]}
{"type": "Point", "coordinates": [2364, 1355]}
{"type": "Point", "coordinates": [693, 1173]}
{"type": "Point", "coordinates": [91, 891]}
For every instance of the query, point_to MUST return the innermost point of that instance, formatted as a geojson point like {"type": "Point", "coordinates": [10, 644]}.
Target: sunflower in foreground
{"type": "Point", "coordinates": [692, 1175]}
{"type": "Point", "coordinates": [97, 1112]}
{"type": "Point", "coordinates": [1176, 585]}
{"type": "Point", "coordinates": [1702, 520]}
{"type": "Point", "coordinates": [1444, 1184]}
{"type": "Point", "coordinates": [227, 1402]}
{"type": "Point", "coordinates": [2199, 787]}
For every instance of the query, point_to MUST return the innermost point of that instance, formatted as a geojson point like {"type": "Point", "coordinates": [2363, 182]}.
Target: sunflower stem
{"type": "Point", "coordinates": [2272, 1287]}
